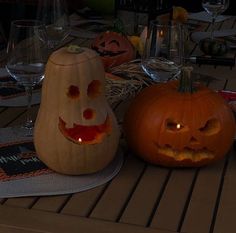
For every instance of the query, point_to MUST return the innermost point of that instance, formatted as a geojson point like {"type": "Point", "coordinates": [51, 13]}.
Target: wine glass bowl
{"type": "Point", "coordinates": [53, 13]}
{"type": "Point", "coordinates": [161, 58]}
{"type": "Point", "coordinates": [214, 8]}
{"type": "Point", "coordinates": [26, 58]}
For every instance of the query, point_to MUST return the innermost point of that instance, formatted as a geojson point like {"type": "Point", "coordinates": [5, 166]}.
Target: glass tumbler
{"type": "Point", "coordinates": [162, 55]}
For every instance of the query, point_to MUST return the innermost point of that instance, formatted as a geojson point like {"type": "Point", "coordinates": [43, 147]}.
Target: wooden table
{"type": "Point", "coordinates": [142, 198]}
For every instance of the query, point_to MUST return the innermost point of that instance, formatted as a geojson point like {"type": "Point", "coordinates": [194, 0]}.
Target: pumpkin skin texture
{"type": "Point", "coordinates": [114, 48]}
{"type": "Point", "coordinates": [169, 128]}
{"type": "Point", "coordinates": [76, 131]}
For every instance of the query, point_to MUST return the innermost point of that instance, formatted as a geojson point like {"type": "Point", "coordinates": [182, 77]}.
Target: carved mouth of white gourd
{"type": "Point", "coordinates": [86, 134]}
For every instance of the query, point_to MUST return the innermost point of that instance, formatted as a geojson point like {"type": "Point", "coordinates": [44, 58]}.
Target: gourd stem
{"type": "Point", "coordinates": [72, 48]}
{"type": "Point", "coordinates": [186, 82]}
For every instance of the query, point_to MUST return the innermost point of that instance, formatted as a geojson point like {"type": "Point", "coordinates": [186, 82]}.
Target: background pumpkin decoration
{"type": "Point", "coordinates": [214, 47]}
{"type": "Point", "coordinates": [114, 48]}
{"type": "Point", "coordinates": [170, 124]}
{"type": "Point", "coordinates": [75, 131]}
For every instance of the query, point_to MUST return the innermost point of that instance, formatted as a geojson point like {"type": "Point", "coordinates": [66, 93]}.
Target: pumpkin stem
{"type": "Point", "coordinates": [72, 48]}
{"type": "Point", "coordinates": [186, 82]}
{"type": "Point", "coordinates": [118, 26]}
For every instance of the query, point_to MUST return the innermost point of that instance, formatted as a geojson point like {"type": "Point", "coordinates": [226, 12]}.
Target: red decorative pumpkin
{"type": "Point", "coordinates": [113, 48]}
{"type": "Point", "coordinates": [170, 126]}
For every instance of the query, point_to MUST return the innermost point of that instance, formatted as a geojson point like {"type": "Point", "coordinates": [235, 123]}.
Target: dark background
{"type": "Point", "coordinates": [19, 9]}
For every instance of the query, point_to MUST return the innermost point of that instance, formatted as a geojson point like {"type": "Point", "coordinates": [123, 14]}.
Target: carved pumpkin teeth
{"type": "Point", "coordinates": [85, 134]}
{"type": "Point", "coordinates": [186, 153]}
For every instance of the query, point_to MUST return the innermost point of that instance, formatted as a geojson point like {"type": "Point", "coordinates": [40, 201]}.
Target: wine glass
{"type": "Point", "coordinates": [55, 17]}
{"type": "Point", "coordinates": [26, 59]}
{"type": "Point", "coordinates": [161, 59]}
{"type": "Point", "coordinates": [214, 8]}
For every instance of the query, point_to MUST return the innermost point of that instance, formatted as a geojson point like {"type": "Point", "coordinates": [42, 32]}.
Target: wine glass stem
{"type": "Point", "coordinates": [29, 122]}
{"type": "Point", "coordinates": [212, 26]}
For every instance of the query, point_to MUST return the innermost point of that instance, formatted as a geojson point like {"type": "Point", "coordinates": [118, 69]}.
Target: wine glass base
{"type": "Point", "coordinates": [160, 69]}
{"type": "Point", "coordinates": [22, 132]}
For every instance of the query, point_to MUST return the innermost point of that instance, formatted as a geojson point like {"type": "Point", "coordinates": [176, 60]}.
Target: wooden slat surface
{"type": "Point", "coordinates": [225, 218]}
{"type": "Point", "coordinates": [201, 207]}
{"type": "Point", "coordinates": [81, 204]}
{"type": "Point", "coordinates": [142, 198]}
{"type": "Point", "coordinates": [145, 196]}
{"type": "Point", "coordinates": [45, 221]}
{"type": "Point", "coordinates": [173, 202]}
{"type": "Point", "coordinates": [117, 194]}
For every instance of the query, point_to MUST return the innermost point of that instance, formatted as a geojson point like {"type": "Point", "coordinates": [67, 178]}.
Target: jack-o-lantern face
{"type": "Point", "coordinates": [185, 140]}
{"type": "Point", "coordinates": [76, 130]}
{"type": "Point", "coordinates": [179, 129]}
{"type": "Point", "coordinates": [85, 134]}
{"type": "Point", "coordinates": [113, 48]}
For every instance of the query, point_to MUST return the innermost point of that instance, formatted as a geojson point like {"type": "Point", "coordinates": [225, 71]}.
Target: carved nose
{"type": "Point", "coordinates": [88, 113]}
{"type": "Point", "coordinates": [194, 143]}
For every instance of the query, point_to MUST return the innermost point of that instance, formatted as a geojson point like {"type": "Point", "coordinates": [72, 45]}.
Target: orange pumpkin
{"type": "Point", "coordinates": [75, 131]}
{"type": "Point", "coordinates": [114, 48]}
{"type": "Point", "coordinates": [170, 126]}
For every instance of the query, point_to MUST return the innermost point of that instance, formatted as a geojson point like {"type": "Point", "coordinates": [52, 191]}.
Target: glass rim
{"type": "Point", "coordinates": [27, 23]}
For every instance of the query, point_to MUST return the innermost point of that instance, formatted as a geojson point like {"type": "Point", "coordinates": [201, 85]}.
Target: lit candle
{"type": "Point", "coordinates": [160, 39]}
{"type": "Point", "coordinates": [178, 126]}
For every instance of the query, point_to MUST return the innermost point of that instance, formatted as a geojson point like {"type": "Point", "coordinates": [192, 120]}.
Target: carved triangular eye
{"type": "Point", "coordinates": [173, 125]}
{"type": "Point", "coordinates": [115, 42]}
{"type": "Point", "coordinates": [94, 89]}
{"type": "Point", "coordinates": [211, 127]}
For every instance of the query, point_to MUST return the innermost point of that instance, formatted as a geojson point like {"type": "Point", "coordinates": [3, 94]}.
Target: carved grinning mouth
{"type": "Point", "coordinates": [186, 153]}
{"type": "Point", "coordinates": [105, 53]}
{"type": "Point", "coordinates": [84, 134]}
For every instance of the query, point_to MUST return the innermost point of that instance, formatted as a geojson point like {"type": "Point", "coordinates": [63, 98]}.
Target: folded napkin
{"type": "Point", "coordinates": [205, 17]}
{"type": "Point", "coordinates": [18, 161]}
{"type": "Point", "coordinates": [12, 94]}
{"type": "Point", "coordinates": [197, 36]}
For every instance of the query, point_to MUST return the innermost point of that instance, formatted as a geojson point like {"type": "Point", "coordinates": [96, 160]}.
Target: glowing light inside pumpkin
{"type": "Point", "coordinates": [86, 134]}
{"type": "Point", "coordinates": [173, 126]}
{"type": "Point", "coordinates": [161, 33]}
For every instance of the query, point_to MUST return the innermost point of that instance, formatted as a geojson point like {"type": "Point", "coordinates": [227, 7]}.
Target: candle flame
{"type": "Point", "coordinates": [178, 126]}
{"type": "Point", "coordinates": [161, 33]}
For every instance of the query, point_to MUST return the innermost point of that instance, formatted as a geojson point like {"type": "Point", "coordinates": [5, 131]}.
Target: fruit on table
{"type": "Point", "coordinates": [180, 14]}
{"type": "Point", "coordinates": [137, 43]}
